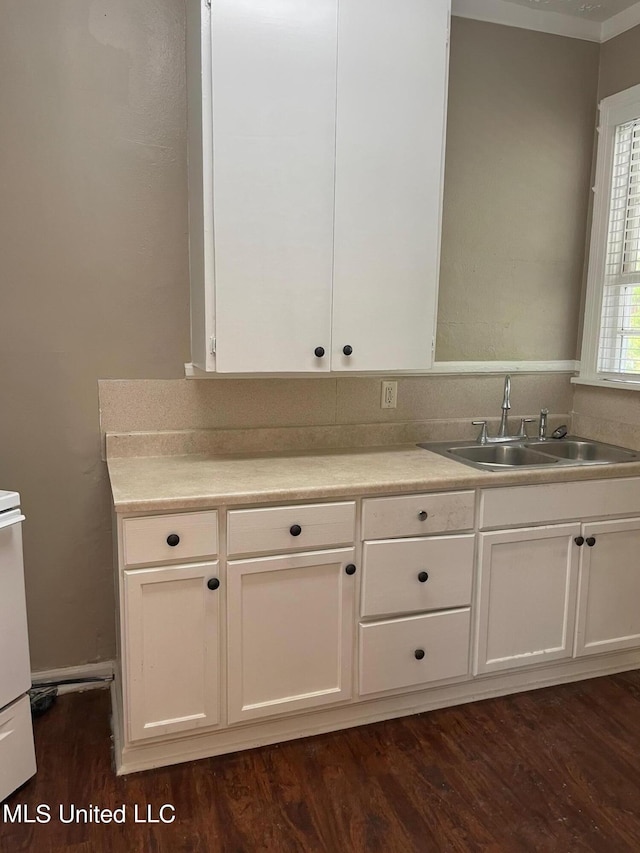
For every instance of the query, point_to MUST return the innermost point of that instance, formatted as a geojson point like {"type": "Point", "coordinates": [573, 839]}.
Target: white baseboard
{"type": "Point", "coordinates": [103, 669]}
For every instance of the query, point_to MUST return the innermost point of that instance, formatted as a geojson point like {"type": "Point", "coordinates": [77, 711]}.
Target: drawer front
{"type": "Point", "coordinates": [388, 650]}
{"type": "Point", "coordinates": [417, 515]}
{"type": "Point", "coordinates": [553, 502]}
{"type": "Point", "coordinates": [17, 756]}
{"type": "Point", "coordinates": [148, 540]}
{"type": "Point", "coordinates": [290, 528]}
{"type": "Point", "coordinates": [417, 575]}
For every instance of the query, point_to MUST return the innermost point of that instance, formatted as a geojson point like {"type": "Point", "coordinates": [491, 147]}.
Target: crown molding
{"type": "Point", "coordinates": [621, 22]}
{"type": "Point", "coordinates": [554, 23]}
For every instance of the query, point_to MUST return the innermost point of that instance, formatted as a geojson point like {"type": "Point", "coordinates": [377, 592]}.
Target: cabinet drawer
{"type": "Point", "coordinates": [417, 515]}
{"type": "Point", "coordinates": [290, 528]}
{"type": "Point", "coordinates": [417, 574]}
{"type": "Point", "coordinates": [17, 756]}
{"type": "Point", "coordinates": [147, 540]}
{"type": "Point", "coordinates": [388, 650]}
{"type": "Point", "coordinates": [523, 505]}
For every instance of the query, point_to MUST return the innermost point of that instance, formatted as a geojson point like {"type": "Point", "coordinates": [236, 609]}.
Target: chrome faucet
{"type": "Point", "coordinates": [506, 405]}
{"type": "Point", "coordinates": [503, 429]}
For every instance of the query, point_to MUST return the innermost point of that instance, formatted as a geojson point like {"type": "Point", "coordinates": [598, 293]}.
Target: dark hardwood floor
{"type": "Point", "coordinates": [551, 770]}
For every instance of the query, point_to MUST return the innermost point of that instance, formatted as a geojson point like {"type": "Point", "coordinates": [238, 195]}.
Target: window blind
{"type": "Point", "coordinates": [619, 343]}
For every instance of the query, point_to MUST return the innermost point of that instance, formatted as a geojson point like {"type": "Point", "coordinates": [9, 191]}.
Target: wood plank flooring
{"type": "Point", "coordinates": [552, 770]}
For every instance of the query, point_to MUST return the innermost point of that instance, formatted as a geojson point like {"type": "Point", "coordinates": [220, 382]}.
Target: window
{"type": "Point", "coordinates": [611, 347]}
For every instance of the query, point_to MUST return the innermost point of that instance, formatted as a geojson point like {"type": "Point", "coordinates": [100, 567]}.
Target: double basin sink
{"type": "Point", "coordinates": [533, 453]}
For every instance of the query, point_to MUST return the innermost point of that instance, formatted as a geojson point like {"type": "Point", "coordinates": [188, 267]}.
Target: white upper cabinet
{"type": "Point", "coordinates": [392, 82]}
{"type": "Point", "coordinates": [274, 88]}
{"type": "Point", "coordinates": [316, 133]}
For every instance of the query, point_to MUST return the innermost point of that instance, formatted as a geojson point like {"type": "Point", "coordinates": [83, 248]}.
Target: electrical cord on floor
{"type": "Point", "coordinates": [41, 699]}
{"type": "Point", "coordinates": [43, 693]}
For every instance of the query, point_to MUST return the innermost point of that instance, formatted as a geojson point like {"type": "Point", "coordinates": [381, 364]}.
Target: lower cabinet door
{"type": "Point", "coordinates": [609, 589]}
{"type": "Point", "coordinates": [171, 649]}
{"type": "Point", "coordinates": [290, 633]}
{"type": "Point", "coordinates": [413, 651]}
{"type": "Point", "coordinates": [527, 584]}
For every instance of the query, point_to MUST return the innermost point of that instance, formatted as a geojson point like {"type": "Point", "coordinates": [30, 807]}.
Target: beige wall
{"type": "Point", "coordinates": [94, 257]}
{"type": "Point", "coordinates": [619, 63]}
{"type": "Point", "coordinates": [94, 269]}
{"type": "Point", "coordinates": [521, 113]}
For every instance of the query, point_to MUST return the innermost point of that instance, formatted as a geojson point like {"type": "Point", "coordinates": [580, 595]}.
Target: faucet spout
{"type": "Point", "coordinates": [506, 405]}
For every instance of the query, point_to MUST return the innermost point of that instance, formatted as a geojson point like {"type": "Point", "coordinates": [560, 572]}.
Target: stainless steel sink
{"type": "Point", "coordinates": [532, 453]}
{"type": "Point", "coordinates": [501, 455]}
{"type": "Point", "coordinates": [584, 452]}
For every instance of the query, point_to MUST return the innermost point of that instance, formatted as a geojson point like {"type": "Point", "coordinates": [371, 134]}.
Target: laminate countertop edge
{"type": "Point", "coordinates": [174, 483]}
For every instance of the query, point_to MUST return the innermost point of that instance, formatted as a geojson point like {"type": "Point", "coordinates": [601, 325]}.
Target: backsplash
{"type": "Point", "coordinates": [157, 417]}
{"type": "Point", "coordinates": [607, 414]}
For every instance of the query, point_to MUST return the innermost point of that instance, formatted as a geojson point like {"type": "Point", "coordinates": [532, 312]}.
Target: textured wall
{"type": "Point", "coordinates": [95, 277]}
{"type": "Point", "coordinates": [521, 114]}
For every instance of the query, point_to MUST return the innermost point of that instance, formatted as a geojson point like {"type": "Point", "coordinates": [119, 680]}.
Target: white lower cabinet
{"type": "Point", "coordinates": [527, 582]}
{"type": "Point", "coordinates": [290, 632]}
{"type": "Point", "coordinates": [171, 649]}
{"type": "Point", "coordinates": [426, 583]}
{"type": "Point", "coordinates": [412, 575]}
{"type": "Point", "coordinates": [413, 651]}
{"type": "Point", "coordinates": [261, 643]}
{"type": "Point", "coordinates": [609, 591]}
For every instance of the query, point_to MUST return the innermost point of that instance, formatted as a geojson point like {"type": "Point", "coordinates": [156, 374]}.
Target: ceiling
{"type": "Point", "coordinates": [593, 20]}
{"type": "Point", "coordinates": [592, 10]}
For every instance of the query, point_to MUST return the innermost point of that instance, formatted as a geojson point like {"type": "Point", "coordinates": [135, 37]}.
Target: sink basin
{"type": "Point", "coordinates": [584, 451]}
{"type": "Point", "coordinates": [507, 455]}
{"type": "Point", "coordinates": [532, 453]}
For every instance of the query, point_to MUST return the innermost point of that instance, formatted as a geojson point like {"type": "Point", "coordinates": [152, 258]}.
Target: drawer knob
{"type": "Point", "coordinates": [213, 583]}
{"type": "Point", "coordinates": [579, 540]}
{"type": "Point", "coordinates": [423, 515]}
{"type": "Point", "coordinates": [350, 569]}
{"type": "Point", "coordinates": [347, 350]}
{"type": "Point", "coordinates": [318, 352]}
{"type": "Point", "coordinates": [173, 539]}
{"type": "Point", "coordinates": [423, 577]}
{"type": "Point", "coordinates": [591, 541]}
{"type": "Point", "coordinates": [295, 530]}
{"type": "Point", "coordinates": [419, 654]}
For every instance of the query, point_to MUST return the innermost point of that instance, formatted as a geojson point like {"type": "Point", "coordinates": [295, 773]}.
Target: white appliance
{"type": "Point", "coordinates": [17, 755]}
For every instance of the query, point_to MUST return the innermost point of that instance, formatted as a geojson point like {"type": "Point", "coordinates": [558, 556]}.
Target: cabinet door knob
{"type": "Point", "coordinates": [423, 577]}
{"type": "Point", "coordinates": [591, 541]}
{"type": "Point", "coordinates": [419, 654]}
{"type": "Point", "coordinates": [350, 569]}
{"type": "Point", "coordinates": [347, 350]}
{"type": "Point", "coordinates": [579, 540]}
{"type": "Point", "coordinates": [423, 515]}
{"type": "Point", "coordinates": [173, 539]}
{"type": "Point", "coordinates": [295, 530]}
{"type": "Point", "coordinates": [213, 583]}
{"type": "Point", "coordinates": [318, 352]}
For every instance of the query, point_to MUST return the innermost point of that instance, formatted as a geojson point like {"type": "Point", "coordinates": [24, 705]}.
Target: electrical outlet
{"type": "Point", "coordinates": [389, 399]}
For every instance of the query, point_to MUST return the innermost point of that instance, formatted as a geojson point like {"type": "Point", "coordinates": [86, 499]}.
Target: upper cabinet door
{"type": "Point", "coordinates": [392, 82]}
{"type": "Point", "coordinates": [274, 92]}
